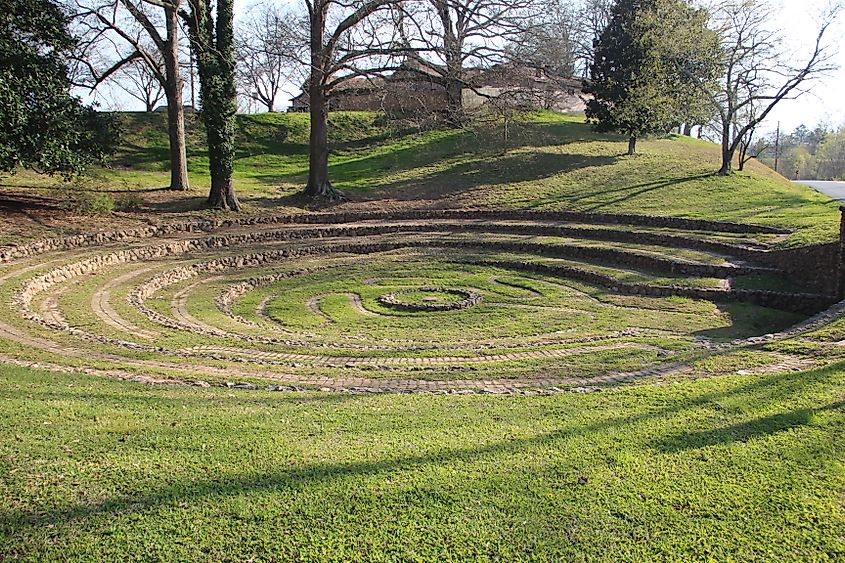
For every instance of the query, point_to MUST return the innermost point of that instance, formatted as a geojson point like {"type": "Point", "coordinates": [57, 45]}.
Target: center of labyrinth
{"type": "Point", "coordinates": [395, 303]}
{"type": "Point", "coordinates": [431, 299]}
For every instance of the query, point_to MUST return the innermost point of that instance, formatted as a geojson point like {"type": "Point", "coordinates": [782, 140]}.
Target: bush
{"type": "Point", "coordinates": [129, 201]}
{"type": "Point", "coordinates": [85, 202]}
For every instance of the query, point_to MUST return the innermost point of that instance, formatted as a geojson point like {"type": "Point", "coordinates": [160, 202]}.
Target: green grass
{"type": "Point", "coordinates": [552, 161]}
{"type": "Point", "coordinates": [315, 314]}
{"type": "Point", "coordinates": [728, 468]}
{"type": "Point", "coordinates": [733, 468]}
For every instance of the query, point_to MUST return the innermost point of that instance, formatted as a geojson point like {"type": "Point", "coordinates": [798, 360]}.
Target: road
{"type": "Point", "coordinates": [836, 190]}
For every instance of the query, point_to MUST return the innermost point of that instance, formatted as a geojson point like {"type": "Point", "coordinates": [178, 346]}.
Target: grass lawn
{"type": "Point", "coordinates": [731, 468]}
{"type": "Point", "coordinates": [551, 161]}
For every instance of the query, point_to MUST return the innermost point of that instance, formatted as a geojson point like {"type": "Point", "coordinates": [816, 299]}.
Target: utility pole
{"type": "Point", "coordinates": [193, 88]}
{"type": "Point", "coordinates": [777, 147]}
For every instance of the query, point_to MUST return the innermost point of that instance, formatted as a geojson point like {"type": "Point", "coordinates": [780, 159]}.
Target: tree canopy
{"type": "Point", "coordinates": [44, 127]}
{"type": "Point", "coordinates": [642, 75]}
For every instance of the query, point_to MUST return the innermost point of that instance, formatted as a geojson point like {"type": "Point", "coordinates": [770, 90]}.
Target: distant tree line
{"type": "Point", "coordinates": [805, 154]}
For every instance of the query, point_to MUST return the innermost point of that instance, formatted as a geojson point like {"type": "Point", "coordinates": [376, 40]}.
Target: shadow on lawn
{"type": "Point", "coordinates": [631, 192]}
{"type": "Point", "coordinates": [760, 393]}
{"type": "Point", "coordinates": [481, 170]}
{"type": "Point", "coordinates": [743, 432]}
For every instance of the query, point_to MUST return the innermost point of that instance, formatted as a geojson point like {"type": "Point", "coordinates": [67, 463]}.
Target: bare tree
{"type": "Point", "coordinates": [548, 42]}
{"type": "Point", "coordinates": [449, 39]}
{"type": "Point", "coordinates": [345, 41]}
{"type": "Point", "coordinates": [141, 83]}
{"type": "Point", "coordinates": [758, 71]}
{"type": "Point", "coordinates": [145, 31]}
{"type": "Point", "coordinates": [266, 50]}
{"type": "Point", "coordinates": [589, 20]}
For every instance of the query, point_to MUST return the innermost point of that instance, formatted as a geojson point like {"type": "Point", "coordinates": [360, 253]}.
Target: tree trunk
{"type": "Point", "coordinates": [214, 44]}
{"type": "Point", "coordinates": [318, 170]}
{"type": "Point", "coordinates": [454, 102]}
{"type": "Point", "coordinates": [318, 147]}
{"type": "Point", "coordinates": [727, 153]}
{"type": "Point", "coordinates": [175, 109]}
{"type": "Point", "coordinates": [632, 145]}
{"type": "Point", "coordinates": [222, 194]}
{"type": "Point", "coordinates": [688, 129]}
{"type": "Point", "coordinates": [220, 123]}
{"type": "Point", "coordinates": [178, 153]}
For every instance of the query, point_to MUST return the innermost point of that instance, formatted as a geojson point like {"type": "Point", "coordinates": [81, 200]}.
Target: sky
{"type": "Point", "coordinates": [826, 103]}
{"type": "Point", "coordinates": [798, 19]}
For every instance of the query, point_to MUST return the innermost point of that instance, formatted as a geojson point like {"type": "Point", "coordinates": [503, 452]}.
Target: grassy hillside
{"type": "Point", "coordinates": [552, 161]}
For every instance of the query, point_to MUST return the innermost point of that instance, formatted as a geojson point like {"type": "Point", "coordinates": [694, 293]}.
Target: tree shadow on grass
{"type": "Point", "coordinates": [753, 320]}
{"type": "Point", "coordinates": [460, 176]}
{"type": "Point", "coordinates": [759, 392]}
{"type": "Point", "coordinates": [743, 432]}
{"type": "Point", "coordinates": [355, 162]}
{"type": "Point", "coordinates": [631, 192]}
{"type": "Point", "coordinates": [20, 203]}
{"type": "Point", "coordinates": [178, 204]}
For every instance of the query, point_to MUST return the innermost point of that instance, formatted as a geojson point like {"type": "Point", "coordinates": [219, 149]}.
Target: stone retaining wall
{"type": "Point", "coordinates": [653, 221]}
{"type": "Point", "coordinates": [798, 302]}
{"type": "Point", "coordinates": [12, 252]}
{"type": "Point", "coordinates": [815, 268]}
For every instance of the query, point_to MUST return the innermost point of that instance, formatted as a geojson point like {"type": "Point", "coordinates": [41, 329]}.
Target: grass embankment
{"type": "Point", "coordinates": [734, 468]}
{"type": "Point", "coordinates": [552, 161]}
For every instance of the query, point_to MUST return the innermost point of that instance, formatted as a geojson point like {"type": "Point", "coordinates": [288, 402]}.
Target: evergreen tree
{"type": "Point", "coordinates": [44, 128]}
{"type": "Point", "coordinates": [641, 77]}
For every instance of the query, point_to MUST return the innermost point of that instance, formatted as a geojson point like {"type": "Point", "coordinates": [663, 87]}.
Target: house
{"type": "Point", "coordinates": [524, 86]}
{"type": "Point", "coordinates": [356, 94]}
{"type": "Point", "coordinates": [416, 88]}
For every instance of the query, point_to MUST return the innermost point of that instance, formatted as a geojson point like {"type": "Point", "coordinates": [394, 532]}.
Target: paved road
{"type": "Point", "coordinates": [836, 190]}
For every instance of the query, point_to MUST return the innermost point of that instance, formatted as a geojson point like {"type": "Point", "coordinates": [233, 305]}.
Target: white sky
{"type": "Point", "coordinates": [826, 103]}
{"type": "Point", "coordinates": [797, 18]}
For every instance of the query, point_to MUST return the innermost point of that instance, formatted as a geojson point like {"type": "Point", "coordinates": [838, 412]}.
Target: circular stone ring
{"type": "Point", "coordinates": [464, 299]}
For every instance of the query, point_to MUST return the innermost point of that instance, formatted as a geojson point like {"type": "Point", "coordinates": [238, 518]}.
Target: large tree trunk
{"type": "Point", "coordinates": [688, 129]}
{"type": "Point", "coordinates": [220, 123]}
{"type": "Point", "coordinates": [175, 109]}
{"type": "Point", "coordinates": [219, 111]}
{"type": "Point", "coordinates": [214, 44]}
{"type": "Point", "coordinates": [222, 194]}
{"type": "Point", "coordinates": [632, 145]}
{"type": "Point", "coordinates": [318, 170]}
{"type": "Point", "coordinates": [176, 133]}
{"type": "Point", "coordinates": [454, 101]}
{"type": "Point", "coordinates": [318, 160]}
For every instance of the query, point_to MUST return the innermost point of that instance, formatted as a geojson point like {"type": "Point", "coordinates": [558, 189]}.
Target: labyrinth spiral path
{"type": "Point", "coordinates": [422, 301]}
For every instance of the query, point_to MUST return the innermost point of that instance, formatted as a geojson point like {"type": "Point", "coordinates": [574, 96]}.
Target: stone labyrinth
{"type": "Point", "coordinates": [413, 301]}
